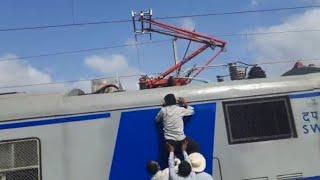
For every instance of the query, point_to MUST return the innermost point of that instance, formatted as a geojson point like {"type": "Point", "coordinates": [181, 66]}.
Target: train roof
{"type": "Point", "coordinates": [25, 106]}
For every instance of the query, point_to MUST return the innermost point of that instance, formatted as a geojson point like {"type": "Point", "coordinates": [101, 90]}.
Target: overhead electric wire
{"type": "Point", "coordinates": [165, 17]}
{"type": "Point", "coordinates": [65, 82]}
{"type": "Point", "coordinates": [268, 32]}
{"type": "Point", "coordinates": [79, 51]}
{"type": "Point", "coordinates": [136, 75]}
{"type": "Point", "coordinates": [168, 17]}
{"type": "Point", "coordinates": [262, 63]}
{"type": "Point", "coordinates": [125, 45]}
{"type": "Point", "coordinates": [240, 12]}
{"type": "Point", "coordinates": [33, 57]}
{"type": "Point", "coordinates": [289, 61]}
{"type": "Point", "coordinates": [64, 25]}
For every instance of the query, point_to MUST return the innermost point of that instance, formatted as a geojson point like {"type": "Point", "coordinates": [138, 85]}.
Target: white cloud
{"type": "Point", "coordinates": [115, 65]}
{"type": "Point", "coordinates": [18, 73]}
{"type": "Point", "coordinates": [288, 46]}
{"type": "Point", "coordinates": [111, 65]}
{"type": "Point", "coordinates": [254, 2]}
{"type": "Point", "coordinates": [188, 23]}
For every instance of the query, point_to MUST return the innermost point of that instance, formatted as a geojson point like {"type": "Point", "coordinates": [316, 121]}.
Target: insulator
{"type": "Point", "coordinates": [256, 72]}
{"type": "Point", "coordinates": [235, 72]}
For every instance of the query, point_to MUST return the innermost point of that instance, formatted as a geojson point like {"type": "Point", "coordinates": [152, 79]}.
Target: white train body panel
{"type": "Point", "coordinates": [112, 136]}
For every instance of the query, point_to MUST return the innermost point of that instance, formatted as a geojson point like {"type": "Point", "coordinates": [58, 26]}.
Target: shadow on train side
{"type": "Point", "coordinates": [140, 140]}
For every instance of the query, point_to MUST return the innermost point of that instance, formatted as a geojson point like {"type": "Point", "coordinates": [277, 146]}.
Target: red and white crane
{"type": "Point", "coordinates": [144, 24]}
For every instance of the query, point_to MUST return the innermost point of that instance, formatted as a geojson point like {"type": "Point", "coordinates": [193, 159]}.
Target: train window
{"type": "Point", "coordinates": [20, 160]}
{"type": "Point", "coordinates": [259, 120]}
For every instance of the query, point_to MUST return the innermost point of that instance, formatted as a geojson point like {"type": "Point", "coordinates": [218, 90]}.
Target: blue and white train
{"type": "Point", "coordinates": [248, 130]}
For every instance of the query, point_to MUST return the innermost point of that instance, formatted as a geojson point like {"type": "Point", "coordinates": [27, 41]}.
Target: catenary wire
{"type": "Point", "coordinates": [32, 57]}
{"type": "Point", "coordinates": [165, 17]}
{"type": "Point", "coordinates": [80, 51]}
{"type": "Point", "coordinates": [137, 75]}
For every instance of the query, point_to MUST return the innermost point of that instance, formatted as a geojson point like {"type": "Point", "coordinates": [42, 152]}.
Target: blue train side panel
{"type": "Point", "coordinates": [140, 140]}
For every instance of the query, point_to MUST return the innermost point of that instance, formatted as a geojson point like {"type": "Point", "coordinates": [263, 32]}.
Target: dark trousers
{"type": "Point", "coordinates": [192, 147]}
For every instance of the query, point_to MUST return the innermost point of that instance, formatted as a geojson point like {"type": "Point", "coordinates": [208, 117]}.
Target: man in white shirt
{"type": "Point", "coordinates": [198, 164]}
{"type": "Point", "coordinates": [155, 170]}
{"type": "Point", "coordinates": [171, 115]}
{"type": "Point", "coordinates": [184, 169]}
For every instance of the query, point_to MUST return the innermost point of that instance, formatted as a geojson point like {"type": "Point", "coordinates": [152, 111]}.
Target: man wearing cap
{"type": "Point", "coordinates": [198, 165]}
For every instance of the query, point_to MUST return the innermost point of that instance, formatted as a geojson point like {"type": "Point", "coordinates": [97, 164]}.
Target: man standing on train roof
{"type": "Point", "coordinates": [198, 164]}
{"type": "Point", "coordinates": [171, 115]}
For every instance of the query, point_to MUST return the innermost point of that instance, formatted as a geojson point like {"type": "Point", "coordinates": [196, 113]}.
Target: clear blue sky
{"type": "Point", "coordinates": [154, 58]}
